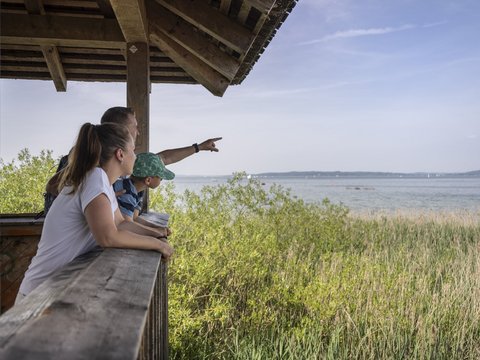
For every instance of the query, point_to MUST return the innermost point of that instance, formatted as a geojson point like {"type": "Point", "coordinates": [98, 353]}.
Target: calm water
{"type": "Point", "coordinates": [437, 194]}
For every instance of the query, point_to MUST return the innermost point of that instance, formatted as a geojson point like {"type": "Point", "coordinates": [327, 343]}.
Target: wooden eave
{"type": "Point", "coordinates": [214, 43]}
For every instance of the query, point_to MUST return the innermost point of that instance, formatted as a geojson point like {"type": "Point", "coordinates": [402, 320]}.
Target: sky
{"type": "Point", "coordinates": [347, 85]}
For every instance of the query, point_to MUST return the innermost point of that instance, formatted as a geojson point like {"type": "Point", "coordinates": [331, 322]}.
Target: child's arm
{"type": "Point", "coordinates": [125, 222]}
{"type": "Point", "coordinates": [144, 222]}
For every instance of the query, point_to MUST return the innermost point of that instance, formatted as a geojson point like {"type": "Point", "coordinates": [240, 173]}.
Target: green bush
{"type": "Point", "coordinates": [259, 274]}
{"type": "Point", "coordinates": [23, 180]}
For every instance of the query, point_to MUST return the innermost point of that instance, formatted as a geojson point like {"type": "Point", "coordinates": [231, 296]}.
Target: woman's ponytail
{"type": "Point", "coordinates": [95, 146]}
{"type": "Point", "coordinates": [84, 157]}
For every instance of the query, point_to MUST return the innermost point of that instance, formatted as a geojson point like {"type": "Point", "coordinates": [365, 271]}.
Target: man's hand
{"type": "Point", "coordinates": [209, 144]}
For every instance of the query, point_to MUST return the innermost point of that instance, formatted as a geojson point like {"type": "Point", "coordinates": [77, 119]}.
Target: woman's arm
{"type": "Point", "coordinates": [106, 233]}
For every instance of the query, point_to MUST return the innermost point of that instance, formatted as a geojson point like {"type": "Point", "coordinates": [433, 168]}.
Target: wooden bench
{"type": "Point", "coordinates": [110, 304]}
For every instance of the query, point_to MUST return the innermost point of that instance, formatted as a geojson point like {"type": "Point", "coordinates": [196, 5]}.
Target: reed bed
{"type": "Point", "coordinates": [262, 275]}
{"type": "Point", "coordinates": [259, 274]}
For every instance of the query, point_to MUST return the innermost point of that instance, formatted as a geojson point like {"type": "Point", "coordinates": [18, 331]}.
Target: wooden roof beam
{"type": "Point", "coordinates": [106, 9]}
{"type": "Point", "coordinates": [162, 20]}
{"type": "Point", "coordinates": [50, 30]}
{"type": "Point", "coordinates": [193, 66]}
{"type": "Point", "coordinates": [200, 14]}
{"type": "Point", "coordinates": [50, 52]}
{"type": "Point", "coordinates": [132, 18]}
{"type": "Point", "coordinates": [55, 67]}
{"type": "Point", "coordinates": [34, 7]}
{"type": "Point", "coordinates": [225, 6]}
{"type": "Point", "coordinates": [264, 6]}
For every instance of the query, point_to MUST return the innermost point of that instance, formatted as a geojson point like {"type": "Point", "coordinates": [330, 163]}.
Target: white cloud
{"type": "Point", "coordinates": [359, 32]}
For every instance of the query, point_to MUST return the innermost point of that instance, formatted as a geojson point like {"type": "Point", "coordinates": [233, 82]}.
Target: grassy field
{"type": "Point", "coordinates": [261, 275]}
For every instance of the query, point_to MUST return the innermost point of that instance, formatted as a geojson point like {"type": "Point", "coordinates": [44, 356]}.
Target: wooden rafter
{"type": "Point", "coordinates": [213, 22]}
{"type": "Point", "coordinates": [60, 31]}
{"type": "Point", "coordinates": [132, 18]}
{"type": "Point", "coordinates": [106, 9]}
{"type": "Point", "coordinates": [34, 7]}
{"type": "Point", "coordinates": [50, 52]}
{"type": "Point", "coordinates": [55, 67]}
{"type": "Point", "coordinates": [263, 6]}
{"type": "Point", "coordinates": [177, 29]}
{"type": "Point", "coordinates": [225, 6]}
{"type": "Point", "coordinates": [196, 68]}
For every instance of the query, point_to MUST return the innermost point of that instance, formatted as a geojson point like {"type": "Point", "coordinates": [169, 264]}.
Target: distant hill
{"type": "Point", "coordinates": [365, 174]}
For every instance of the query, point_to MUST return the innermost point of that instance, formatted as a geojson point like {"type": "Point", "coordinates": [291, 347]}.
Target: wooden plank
{"type": "Point", "coordinates": [97, 308]}
{"type": "Point", "coordinates": [225, 6]}
{"type": "Point", "coordinates": [138, 90]}
{"type": "Point", "coordinates": [34, 7]}
{"type": "Point", "coordinates": [173, 80]}
{"type": "Point", "coordinates": [99, 51]}
{"type": "Point", "coordinates": [264, 6]}
{"type": "Point", "coordinates": [106, 9]}
{"type": "Point", "coordinates": [24, 75]}
{"type": "Point", "coordinates": [212, 21]}
{"type": "Point", "coordinates": [19, 56]}
{"type": "Point", "coordinates": [55, 67]}
{"type": "Point", "coordinates": [33, 306]}
{"type": "Point", "coordinates": [75, 70]}
{"type": "Point", "coordinates": [243, 13]}
{"type": "Point", "coordinates": [97, 77]}
{"type": "Point", "coordinates": [162, 20]}
{"type": "Point", "coordinates": [23, 66]}
{"type": "Point", "coordinates": [132, 18]}
{"type": "Point", "coordinates": [19, 47]}
{"type": "Point", "coordinates": [94, 59]}
{"type": "Point", "coordinates": [91, 4]}
{"type": "Point", "coordinates": [20, 230]}
{"type": "Point", "coordinates": [60, 31]}
{"type": "Point", "coordinates": [215, 82]}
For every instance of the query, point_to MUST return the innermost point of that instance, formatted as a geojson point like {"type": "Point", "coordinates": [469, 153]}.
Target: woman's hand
{"type": "Point", "coordinates": [165, 248]}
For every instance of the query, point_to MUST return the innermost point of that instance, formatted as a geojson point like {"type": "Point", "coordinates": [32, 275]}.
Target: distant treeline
{"type": "Point", "coordinates": [366, 174]}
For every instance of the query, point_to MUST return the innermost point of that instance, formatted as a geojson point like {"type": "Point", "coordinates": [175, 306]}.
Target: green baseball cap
{"type": "Point", "coordinates": [150, 164]}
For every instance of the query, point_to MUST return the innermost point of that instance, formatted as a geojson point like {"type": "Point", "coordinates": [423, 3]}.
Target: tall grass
{"type": "Point", "coordinates": [259, 275]}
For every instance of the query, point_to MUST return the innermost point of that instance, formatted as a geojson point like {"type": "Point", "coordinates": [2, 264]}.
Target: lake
{"type": "Point", "coordinates": [370, 194]}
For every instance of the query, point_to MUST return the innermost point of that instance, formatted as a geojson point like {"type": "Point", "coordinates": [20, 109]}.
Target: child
{"type": "Point", "coordinates": [148, 172]}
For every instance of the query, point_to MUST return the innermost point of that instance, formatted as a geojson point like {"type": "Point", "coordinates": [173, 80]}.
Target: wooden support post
{"type": "Point", "coordinates": [138, 95]}
{"type": "Point", "coordinates": [138, 90]}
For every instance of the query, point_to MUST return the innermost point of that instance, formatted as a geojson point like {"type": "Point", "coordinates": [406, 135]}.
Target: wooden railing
{"type": "Point", "coordinates": [19, 236]}
{"type": "Point", "coordinates": [110, 304]}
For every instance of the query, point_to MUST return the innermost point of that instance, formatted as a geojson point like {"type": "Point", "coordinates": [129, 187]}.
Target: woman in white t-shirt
{"type": "Point", "coordinates": [85, 214]}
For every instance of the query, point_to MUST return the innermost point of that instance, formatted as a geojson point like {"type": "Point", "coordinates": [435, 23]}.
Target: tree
{"type": "Point", "coordinates": [22, 181]}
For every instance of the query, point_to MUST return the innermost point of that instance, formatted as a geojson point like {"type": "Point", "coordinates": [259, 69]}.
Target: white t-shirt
{"type": "Point", "coordinates": [66, 234]}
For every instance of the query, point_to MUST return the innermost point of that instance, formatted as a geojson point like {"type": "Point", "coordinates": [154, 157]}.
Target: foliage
{"type": "Point", "coordinates": [258, 274]}
{"type": "Point", "coordinates": [23, 180]}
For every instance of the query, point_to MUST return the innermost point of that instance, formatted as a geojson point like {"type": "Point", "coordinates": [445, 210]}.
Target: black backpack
{"type": "Point", "coordinates": [49, 197]}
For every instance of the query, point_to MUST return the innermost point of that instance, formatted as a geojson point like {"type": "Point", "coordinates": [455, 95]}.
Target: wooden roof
{"type": "Point", "coordinates": [211, 42]}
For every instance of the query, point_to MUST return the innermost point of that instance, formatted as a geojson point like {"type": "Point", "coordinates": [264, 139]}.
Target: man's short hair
{"type": "Point", "coordinates": [118, 115]}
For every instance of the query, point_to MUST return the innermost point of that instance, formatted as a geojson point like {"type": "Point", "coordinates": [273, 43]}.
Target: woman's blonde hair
{"type": "Point", "coordinates": [95, 145]}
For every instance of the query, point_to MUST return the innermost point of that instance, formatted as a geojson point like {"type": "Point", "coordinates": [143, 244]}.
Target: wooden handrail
{"type": "Point", "coordinates": [109, 304]}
